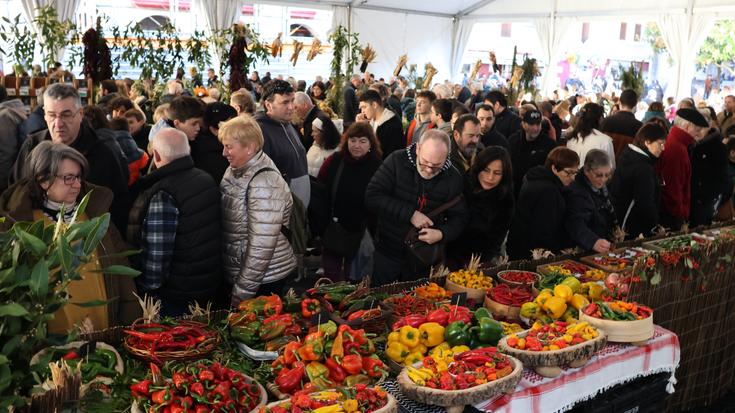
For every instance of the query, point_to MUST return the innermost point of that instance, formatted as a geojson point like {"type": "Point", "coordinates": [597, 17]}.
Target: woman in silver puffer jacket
{"type": "Point", "coordinates": [256, 204]}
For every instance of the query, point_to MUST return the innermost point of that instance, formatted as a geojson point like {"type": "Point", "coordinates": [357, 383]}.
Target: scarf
{"type": "Point", "coordinates": [51, 209]}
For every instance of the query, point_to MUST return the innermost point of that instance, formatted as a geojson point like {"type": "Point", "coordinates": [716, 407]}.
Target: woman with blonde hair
{"type": "Point", "coordinates": [256, 209]}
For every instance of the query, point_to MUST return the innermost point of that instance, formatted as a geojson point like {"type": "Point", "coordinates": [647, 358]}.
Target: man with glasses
{"type": "Point", "coordinates": [465, 142]}
{"type": "Point", "coordinates": [528, 147]}
{"type": "Point", "coordinates": [590, 217]}
{"type": "Point", "coordinates": [63, 115]}
{"type": "Point", "coordinates": [404, 190]}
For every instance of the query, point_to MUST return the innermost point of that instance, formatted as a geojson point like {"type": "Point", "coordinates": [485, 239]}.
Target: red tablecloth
{"type": "Point", "coordinates": [614, 364]}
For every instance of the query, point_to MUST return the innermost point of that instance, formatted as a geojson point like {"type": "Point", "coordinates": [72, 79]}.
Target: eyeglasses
{"type": "Point", "coordinates": [69, 179]}
{"type": "Point", "coordinates": [600, 175]}
{"type": "Point", "coordinates": [571, 173]}
{"type": "Point", "coordinates": [429, 167]}
{"type": "Point", "coordinates": [65, 116]}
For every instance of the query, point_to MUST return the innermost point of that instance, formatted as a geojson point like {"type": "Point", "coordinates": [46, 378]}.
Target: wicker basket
{"type": "Point", "coordinates": [548, 363]}
{"type": "Point", "coordinates": [376, 325]}
{"type": "Point", "coordinates": [119, 365]}
{"type": "Point", "coordinates": [633, 331]}
{"type": "Point", "coordinates": [202, 350]}
{"type": "Point", "coordinates": [505, 311]}
{"type": "Point", "coordinates": [390, 407]}
{"type": "Point", "coordinates": [475, 294]}
{"type": "Point", "coordinates": [456, 400]}
{"type": "Point", "coordinates": [503, 280]}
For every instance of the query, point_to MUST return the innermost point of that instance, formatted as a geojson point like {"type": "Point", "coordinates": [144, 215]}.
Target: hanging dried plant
{"type": "Point", "coordinates": [430, 71]}
{"type": "Point", "coordinates": [475, 69]}
{"type": "Point", "coordinates": [368, 56]}
{"type": "Point", "coordinates": [314, 50]}
{"type": "Point", "coordinates": [297, 46]}
{"type": "Point", "coordinates": [277, 46]}
{"type": "Point", "coordinates": [401, 63]}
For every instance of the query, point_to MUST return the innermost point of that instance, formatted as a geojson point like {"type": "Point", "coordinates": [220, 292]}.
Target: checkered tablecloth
{"type": "Point", "coordinates": [614, 364]}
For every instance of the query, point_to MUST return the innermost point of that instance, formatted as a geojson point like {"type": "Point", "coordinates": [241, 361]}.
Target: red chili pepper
{"type": "Point", "coordinates": [141, 388]}
{"type": "Point", "coordinates": [161, 397]}
{"type": "Point", "coordinates": [70, 355]}
{"type": "Point", "coordinates": [373, 367]}
{"type": "Point", "coordinates": [590, 309]}
{"type": "Point", "coordinates": [352, 363]}
{"type": "Point", "coordinates": [439, 316]}
{"type": "Point", "coordinates": [288, 381]}
{"type": "Point", "coordinates": [206, 375]}
{"type": "Point", "coordinates": [201, 408]}
{"type": "Point", "coordinates": [336, 372]}
{"type": "Point", "coordinates": [310, 307]}
{"type": "Point", "coordinates": [197, 388]}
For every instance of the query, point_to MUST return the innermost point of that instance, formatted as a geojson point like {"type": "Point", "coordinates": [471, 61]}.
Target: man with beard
{"type": "Point", "coordinates": [490, 136]}
{"type": "Point", "coordinates": [528, 147]}
{"type": "Point", "coordinates": [466, 141]}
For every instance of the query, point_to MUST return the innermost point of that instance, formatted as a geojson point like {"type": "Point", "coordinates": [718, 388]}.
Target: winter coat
{"type": "Point", "coordinates": [595, 140]}
{"type": "Point", "coordinates": [16, 205]}
{"type": "Point", "coordinates": [636, 182]}
{"type": "Point", "coordinates": [104, 168]}
{"type": "Point", "coordinates": [206, 150]}
{"type": "Point", "coordinates": [621, 128]}
{"type": "Point", "coordinates": [589, 214]}
{"type": "Point", "coordinates": [709, 177]}
{"type": "Point", "coordinates": [315, 158]}
{"type": "Point", "coordinates": [253, 211]}
{"type": "Point", "coordinates": [415, 129]}
{"type": "Point", "coordinates": [389, 130]}
{"type": "Point", "coordinates": [490, 213]}
{"type": "Point", "coordinates": [397, 190]}
{"type": "Point", "coordinates": [141, 137]}
{"type": "Point", "coordinates": [675, 169]}
{"type": "Point", "coordinates": [283, 147]}
{"type": "Point", "coordinates": [351, 105]}
{"type": "Point", "coordinates": [34, 123]}
{"type": "Point", "coordinates": [12, 115]}
{"type": "Point", "coordinates": [539, 216]}
{"type": "Point", "coordinates": [494, 138]}
{"type": "Point", "coordinates": [507, 123]}
{"type": "Point", "coordinates": [726, 121]}
{"type": "Point", "coordinates": [525, 155]}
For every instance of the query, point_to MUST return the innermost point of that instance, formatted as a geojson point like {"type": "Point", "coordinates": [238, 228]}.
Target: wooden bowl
{"type": "Point", "coordinates": [503, 280]}
{"type": "Point", "coordinates": [548, 363]}
{"type": "Point", "coordinates": [476, 294]}
{"type": "Point", "coordinates": [390, 407]}
{"type": "Point", "coordinates": [455, 400]}
{"type": "Point", "coordinates": [622, 331]}
{"type": "Point", "coordinates": [503, 310]}
{"type": "Point", "coordinates": [119, 365]}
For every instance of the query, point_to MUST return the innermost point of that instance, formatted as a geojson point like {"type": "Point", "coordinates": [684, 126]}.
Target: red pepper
{"type": "Point", "coordinates": [286, 319]}
{"type": "Point", "coordinates": [440, 316]}
{"type": "Point", "coordinates": [310, 352]}
{"type": "Point", "coordinates": [70, 355]}
{"type": "Point", "coordinates": [289, 352]}
{"type": "Point", "coordinates": [197, 388]}
{"type": "Point", "coordinates": [179, 380]}
{"type": "Point", "coordinates": [374, 367]}
{"type": "Point", "coordinates": [590, 309]}
{"type": "Point", "coordinates": [459, 313]}
{"type": "Point", "coordinates": [141, 388]}
{"type": "Point", "coordinates": [223, 389]}
{"type": "Point", "coordinates": [273, 305]}
{"type": "Point", "coordinates": [357, 314]}
{"type": "Point", "coordinates": [352, 363]}
{"type": "Point", "coordinates": [161, 397]}
{"type": "Point", "coordinates": [336, 372]}
{"type": "Point", "coordinates": [206, 375]}
{"type": "Point", "coordinates": [310, 307]}
{"type": "Point", "coordinates": [413, 320]}
{"type": "Point", "coordinates": [201, 408]}
{"type": "Point", "coordinates": [288, 381]}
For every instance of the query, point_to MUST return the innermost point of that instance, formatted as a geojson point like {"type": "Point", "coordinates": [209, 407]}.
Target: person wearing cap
{"type": "Point", "coordinates": [528, 147]}
{"type": "Point", "coordinates": [675, 168]}
{"type": "Point", "coordinates": [206, 150]}
{"type": "Point", "coordinates": [709, 173]}
{"type": "Point", "coordinates": [282, 143]}
{"type": "Point", "coordinates": [326, 139]}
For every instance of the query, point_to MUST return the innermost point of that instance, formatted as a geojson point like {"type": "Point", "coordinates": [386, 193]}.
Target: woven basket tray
{"type": "Point", "coordinates": [119, 366]}
{"type": "Point", "coordinates": [202, 350]}
{"type": "Point", "coordinates": [455, 400]}
{"type": "Point", "coordinates": [633, 331]}
{"type": "Point", "coordinates": [574, 356]}
{"type": "Point", "coordinates": [390, 407]}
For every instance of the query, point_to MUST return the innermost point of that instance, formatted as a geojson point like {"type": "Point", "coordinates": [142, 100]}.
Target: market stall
{"type": "Point", "coordinates": [527, 336]}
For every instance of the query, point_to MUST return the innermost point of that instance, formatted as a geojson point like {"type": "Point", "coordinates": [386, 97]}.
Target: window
{"type": "Point", "coordinates": [153, 22]}
{"type": "Point", "coordinates": [623, 30]}
{"type": "Point", "coordinates": [585, 32]}
{"type": "Point", "coordinates": [505, 30]}
{"type": "Point", "coordinates": [637, 35]}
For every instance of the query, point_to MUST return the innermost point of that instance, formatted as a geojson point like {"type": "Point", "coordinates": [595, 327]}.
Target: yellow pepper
{"type": "Point", "coordinates": [521, 343]}
{"type": "Point", "coordinates": [350, 405]}
{"type": "Point", "coordinates": [529, 310]}
{"type": "Point", "coordinates": [420, 348]}
{"type": "Point", "coordinates": [567, 338]}
{"type": "Point", "coordinates": [579, 301]}
{"type": "Point", "coordinates": [335, 408]}
{"type": "Point", "coordinates": [442, 346]}
{"type": "Point", "coordinates": [409, 336]}
{"type": "Point", "coordinates": [573, 283]}
{"type": "Point", "coordinates": [412, 358]}
{"type": "Point", "coordinates": [556, 306]}
{"type": "Point", "coordinates": [595, 291]}
{"type": "Point", "coordinates": [460, 349]}
{"type": "Point", "coordinates": [393, 336]}
{"type": "Point", "coordinates": [396, 351]}
{"type": "Point", "coordinates": [543, 296]}
{"type": "Point", "coordinates": [431, 334]}
{"type": "Point", "coordinates": [564, 292]}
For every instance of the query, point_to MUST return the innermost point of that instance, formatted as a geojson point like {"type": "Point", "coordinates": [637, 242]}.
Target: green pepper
{"type": "Point", "coordinates": [457, 334]}
{"type": "Point", "coordinates": [489, 331]}
{"type": "Point", "coordinates": [110, 357]}
{"type": "Point", "coordinates": [247, 334]}
{"type": "Point", "coordinates": [481, 313]}
{"type": "Point", "coordinates": [272, 330]}
{"type": "Point", "coordinates": [329, 328]}
{"type": "Point", "coordinates": [474, 341]}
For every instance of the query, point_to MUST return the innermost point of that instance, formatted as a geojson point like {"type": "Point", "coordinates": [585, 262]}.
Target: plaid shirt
{"type": "Point", "coordinates": [158, 236]}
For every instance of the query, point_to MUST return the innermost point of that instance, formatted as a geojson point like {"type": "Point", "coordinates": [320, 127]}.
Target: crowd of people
{"type": "Point", "coordinates": [223, 199]}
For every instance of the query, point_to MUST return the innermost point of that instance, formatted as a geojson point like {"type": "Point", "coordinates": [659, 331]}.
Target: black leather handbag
{"type": "Point", "coordinates": [424, 254]}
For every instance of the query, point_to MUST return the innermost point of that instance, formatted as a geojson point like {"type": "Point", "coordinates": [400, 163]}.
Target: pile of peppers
{"type": "Point", "coordinates": [327, 358]}
{"type": "Point", "coordinates": [180, 336]}
{"type": "Point", "coordinates": [512, 296]}
{"type": "Point", "coordinates": [260, 324]}
{"type": "Point", "coordinates": [469, 369]}
{"type": "Point", "coordinates": [359, 399]}
{"type": "Point", "coordinates": [197, 388]}
{"type": "Point", "coordinates": [101, 362]}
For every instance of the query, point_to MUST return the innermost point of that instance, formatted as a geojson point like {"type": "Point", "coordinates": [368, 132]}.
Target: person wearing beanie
{"type": "Point", "coordinates": [675, 168]}
{"type": "Point", "coordinates": [206, 150]}
{"type": "Point", "coordinates": [325, 140]}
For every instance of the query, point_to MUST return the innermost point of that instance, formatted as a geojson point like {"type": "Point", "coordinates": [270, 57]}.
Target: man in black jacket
{"type": "Point", "coordinates": [490, 136]}
{"type": "Point", "coordinates": [465, 142]}
{"type": "Point", "coordinates": [506, 122]}
{"type": "Point", "coordinates": [387, 125]}
{"type": "Point", "coordinates": [349, 96]}
{"type": "Point", "coordinates": [206, 150]}
{"type": "Point", "coordinates": [622, 126]}
{"type": "Point", "coordinates": [406, 188]}
{"type": "Point", "coordinates": [307, 112]}
{"type": "Point", "coordinates": [528, 147]}
{"type": "Point", "coordinates": [64, 119]}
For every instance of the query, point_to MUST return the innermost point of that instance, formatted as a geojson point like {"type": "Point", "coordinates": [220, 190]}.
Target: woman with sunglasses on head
{"type": "Point", "coordinates": [590, 217]}
{"type": "Point", "coordinates": [539, 218]}
{"type": "Point", "coordinates": [54, 180]}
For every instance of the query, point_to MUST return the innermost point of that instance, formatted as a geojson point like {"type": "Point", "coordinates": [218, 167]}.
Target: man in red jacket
{"type": "Point", "coordinates": [675, 168]}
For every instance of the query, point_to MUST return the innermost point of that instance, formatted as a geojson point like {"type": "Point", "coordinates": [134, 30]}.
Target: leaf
{"type": "Point", "coordinates": [121, 270]}
{"type": "Point", "coordinates": [39, 278]}
{"type": "Point", "coordinates": [127, 253]}
{"type": "Point", "coordinates": [13, 310]}
{"type": "Point", "coordinates": [65, 254]}
{"type": "Point", "coordinates": [93, 303]}
{"type": "Point", "coordinates": [82, 207]}
{"type": "Point", "coordinates": [97, 233]}
{"type": "Point", "coordinates": [10, 346]}
{"type": "Point", "coordinates": [656, 279]}
{"type": "Point", "coordinates": [34, 243]}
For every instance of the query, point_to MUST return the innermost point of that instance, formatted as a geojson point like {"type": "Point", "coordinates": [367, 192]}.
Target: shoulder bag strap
{"type": "Point", "coordinates": [443, 207]}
